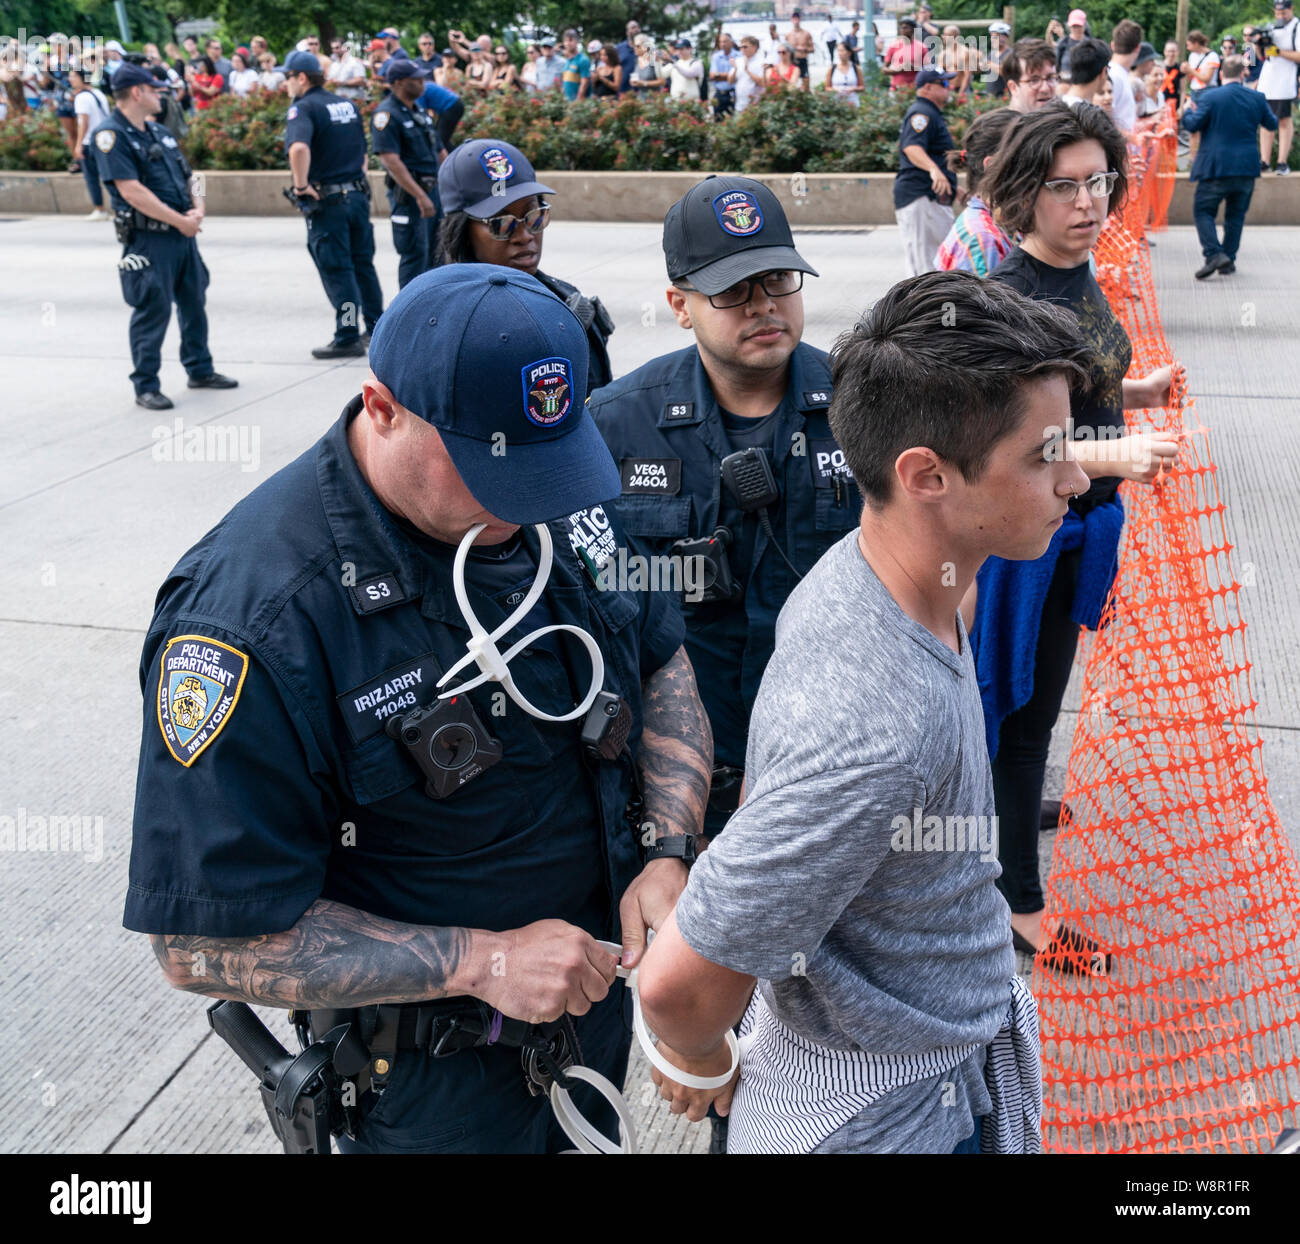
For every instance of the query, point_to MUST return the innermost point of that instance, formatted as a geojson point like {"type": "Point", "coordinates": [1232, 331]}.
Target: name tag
{"type": "Point", "coordinates": [366, 708]}
{"type": "Point", "coordinates": [827, 464]}
{"type": "Point", "coordinates": [654, 476]}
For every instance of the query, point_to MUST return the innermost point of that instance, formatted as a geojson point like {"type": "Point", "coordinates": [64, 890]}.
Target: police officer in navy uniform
{"type": "Point", "coordinates": [293, 849]}
{"type": "Point", "coordinates": [326, 142]}
{"type": "Point", "coordinates": [407, 144]}
{"type": "Point", "coordinates": [496, 212]}
{"type": "Point", "coordinates": [747, 384]}
{"type": "Point", "coordinates": [157, 220]}
{"type": "Point", "coordinates": [925, 185]}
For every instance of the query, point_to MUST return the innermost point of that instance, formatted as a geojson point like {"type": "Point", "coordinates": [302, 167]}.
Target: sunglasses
{"type": "Point", "coordinates": [502, 227]}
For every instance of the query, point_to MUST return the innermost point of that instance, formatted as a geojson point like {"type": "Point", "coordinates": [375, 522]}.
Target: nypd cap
{"type": "Point", "coordinates": [474, 170]}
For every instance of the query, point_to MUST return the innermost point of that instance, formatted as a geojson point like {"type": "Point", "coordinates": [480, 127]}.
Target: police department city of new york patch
{"type": "Point", "coordinates": [381, 120]}
{"type": "Point", "coordinates": [738, 213]}
{"type": "Point", "coordinates": [199, 681]}
{"type": "Point", "coordinates": [548, 391]}
{"type": "Point", "coordinates": [919, 121]}
{"type": "Point", "coordinates": [496, 164]}
{"type": "Point", "coordinates": [106, 140]}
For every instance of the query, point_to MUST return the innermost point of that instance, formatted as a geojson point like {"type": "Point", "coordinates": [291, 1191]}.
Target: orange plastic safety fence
{"type": "Point", "coordinates": [1170, 858]}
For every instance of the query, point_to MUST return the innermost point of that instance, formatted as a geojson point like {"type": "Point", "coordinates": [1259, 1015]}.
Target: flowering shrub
{"type": "Point", "coordinates": [33, 140]}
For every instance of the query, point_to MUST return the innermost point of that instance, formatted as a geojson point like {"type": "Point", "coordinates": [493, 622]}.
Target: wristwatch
{"type": "Point", "coordinates": [673, 847]}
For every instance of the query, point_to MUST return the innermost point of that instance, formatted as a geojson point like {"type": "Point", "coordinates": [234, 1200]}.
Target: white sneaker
{"type": "Point", "coordinates": [99, 214]}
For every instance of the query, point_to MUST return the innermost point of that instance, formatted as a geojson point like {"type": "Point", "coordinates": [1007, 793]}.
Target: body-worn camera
{"type": "Point", "coordinates": [606, 726]}
{"type": "Point", "coordinates": [448, 742]}
{"type": "Point", "coordinates": [713, 578]}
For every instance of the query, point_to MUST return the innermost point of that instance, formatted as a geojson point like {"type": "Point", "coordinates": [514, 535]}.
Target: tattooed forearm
{"type": "Point", "coordinates": [676, 752]}
{"type": "Point", "coordinates": [335, 956]}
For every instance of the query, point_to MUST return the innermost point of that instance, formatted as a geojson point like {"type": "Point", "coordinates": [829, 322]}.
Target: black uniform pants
{"type": "Point", "coordinates": [415, 237]}
{"type": "Point", "coordinates": [1023, 742]}
{"type": "Point", "coordinates": [172, 271]}
{"type": "Point", "coordinates": [342, 246]}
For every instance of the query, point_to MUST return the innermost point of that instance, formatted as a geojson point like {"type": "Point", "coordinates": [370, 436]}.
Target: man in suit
{"type": "Point", "coordinates": [1227, 163]}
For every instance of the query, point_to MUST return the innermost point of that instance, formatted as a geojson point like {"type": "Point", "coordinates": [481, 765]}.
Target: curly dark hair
{"type": "Point", "coordinates": [1016, 174]}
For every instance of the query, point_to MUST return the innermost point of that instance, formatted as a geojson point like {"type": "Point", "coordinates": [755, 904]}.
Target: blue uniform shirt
{"type": "Point", "coordinates": [151, 156]}
{"type": "Point", "coordinates": [664, 416]}
{"type": "Point", "coordinates": [406, 132]}
{"type": "Point", "coordinates": [282, 643]}
{"type": "Point", "coordinates": [332, 128]}
{"type": "Point", "coordinates": [923, 126]}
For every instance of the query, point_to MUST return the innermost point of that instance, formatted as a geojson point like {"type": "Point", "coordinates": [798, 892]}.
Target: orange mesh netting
{"type": "Point", "coordinates": [1170, 856]}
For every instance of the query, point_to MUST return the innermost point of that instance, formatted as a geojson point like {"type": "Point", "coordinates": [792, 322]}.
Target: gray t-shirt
{"type": "Point", "coordinates": [847, 882]}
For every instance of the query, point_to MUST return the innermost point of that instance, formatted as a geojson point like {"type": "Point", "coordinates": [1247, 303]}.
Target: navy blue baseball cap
{"type": "Point", "coordinates": [725, 229]}
{"type": "Point", "coordinates": [498, 364]}
{"type": "Point", "coordinates": [469, 174]}
{"type": "Point", "coordinates": [131, 75]}
{"type": "Point", "coordinates": [302, 62]}
{"type": "Point", "coordinates": [929, 74]}
{"type": "Point", "coordinates": [401, 67]}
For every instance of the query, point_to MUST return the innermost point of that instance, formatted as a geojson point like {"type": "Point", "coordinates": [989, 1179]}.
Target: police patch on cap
{"type": "Point", "coordinates": [199, 682]}
{"type": "Point", "coordinates": [548, 391]}
{"type": "Point", "coordinates": [106, 140]}
{"type": "Point", "coordinates": [919, 121]}
{"type": "Point", "coordinates": [381, 119]}
{"type": "Point", "coordinates": [738, 213]}
{"type": "Point", "coordinates": [496, 164]}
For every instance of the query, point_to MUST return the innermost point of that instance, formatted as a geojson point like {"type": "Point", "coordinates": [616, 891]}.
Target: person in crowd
{"type": "Point", "coordinates": [478, 73]}
{"type": "Point", "coordinates": [243, 78]}
{"type": "Point", "coordinates": [91, 110]}
{"type": "Point", "coordinates": [1250, 52]}
{"type": "Point", "coordinates": [1105, 97]}
{"type": "Point", "coordinates": [926, 26]}
{"type": "Point", "coordinates": [722, 76]}
{"type": "Point", "coordinates": [627, 55]}
{"type": "Point", "coordinates": [785, 73]}
{"type": "Point", "coordinates": [1125, 46]}
{"type": "Point", "coordinates": [650, 77]}
{"type": "Point", "coordinates": [1202, 63]}
{"type": "Point", "coordinates": [496, 213]}
{"type": "Point", "coordinates": [801, 44]}
{"type": "Point", "coordinates": [904, 57]}
{"type": "Point", "coordinates": [1151, 78]}
{"type": "Point", "coordinates": [1029, 70]}
{"type": "Point", "coordinates": [1087, 63]}
{"type": "Point", "coordinates": [924, 187]}
{"type": "Point", "coordinates": [1175, 75]}
{"type": "Point", "coordinates": [958, 59]}
{"type": "Point", "coordinates": [449, 75]}
{"type": "Point", "coordinates": [346, 73]}
{"type": "Point", "coordinates": [854, 41]}
{"type": "Point", "coordinates": [576, 75]}
{"type": "Point", "coordinates": [1278, 82]}
{"type": "Point", "coordinates": [844, 78]}
{"type": "Point", "coordinates": [976, 242]}
{"type": "Point", "coordinates": [528, 70]}
{"type": "Point", "coordinates": [427, 58]}
{"type": "Point", "coordinates": [1229, 118]}
{"type": "Point", "coordinates": [257, 48]}
{"type": "Point", "coordinates": [771, 45]}
{"type": "Point", "coordinates": [550, 68]}
{"type": "Point", "coordinates": [606, 72]}
{"type": "Point", "coordinates": [115, 58]}
{"type": "Point", "coordinates": [832, 37]}
{"type": "Point", "coordinates": [505, 77]}
{"type": "Point", "coordinates": [1077, 25]}
{"type": "Point", "coordinates": [751, 73]}
{"type": "Point", "coordinates": [1054, 181]}
{"type": "Point", "coordinates": [271, 79]}
{"type": "Point", "coordinates": [220, 65]}
{"type": "Point", "coordinates": [191, 48]}
{"type": "Point", "coordinates": [206, 83]}
{"type": "Point", "coordinates": [685, 72]}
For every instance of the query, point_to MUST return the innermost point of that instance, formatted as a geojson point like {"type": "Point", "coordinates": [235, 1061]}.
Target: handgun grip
{"type": "Point", "coordinates": [238, 1026]}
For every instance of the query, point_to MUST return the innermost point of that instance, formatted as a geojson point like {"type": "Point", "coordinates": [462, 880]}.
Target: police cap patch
{"type": "Point", "coordinates": [496, 164]}
{"type": "Point", "coordinates": [199, 681]}
{"type": "Point", "coordinates": [548, 391]}
{"type": "Point", "coordinates": [738, 213]}
{"type": "Point", "coordinates": [106, 140]}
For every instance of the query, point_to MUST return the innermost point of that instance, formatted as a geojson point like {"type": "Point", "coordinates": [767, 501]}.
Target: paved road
{"type": "Point", "coordinates": [96, 1052]}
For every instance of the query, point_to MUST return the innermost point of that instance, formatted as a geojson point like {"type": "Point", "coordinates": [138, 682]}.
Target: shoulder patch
{"type": "Point", "coordinates": [106, 140]}
{"type": "Point", "coordinates": [381, 119]}
{"type": "Point", "coordinates": [817, 397]}
{"type": "Point", "coordinates": [199, 681]}
{"type": "Point", "coordinates": [919, 121]}
{"type": "Point", "coordinates": [293, 112]}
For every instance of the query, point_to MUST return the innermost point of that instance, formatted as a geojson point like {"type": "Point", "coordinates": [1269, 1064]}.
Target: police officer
{"type": "Point", "coordinates": [407, 145]}
{"type": "Point", "coordinates": [679, 422]}
{"type": "Point", "coordinates": [157, 220]}
{"type": "Point", "coordinates": [495, 213]}
{"type": "Point", "coordinates": [291, 850]}
{"type": "Point", "coordinates": [924, 187]}
{"type": "Point", "coordinates": [326, 142]}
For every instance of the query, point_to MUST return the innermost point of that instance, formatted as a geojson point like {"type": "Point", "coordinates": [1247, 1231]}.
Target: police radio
{"type": "Point", "coordinates": [749, 479]}
{"type": "Point", "coordinates": [448, 742]}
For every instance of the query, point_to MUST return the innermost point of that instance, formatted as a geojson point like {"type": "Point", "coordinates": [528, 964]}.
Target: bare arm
{"type": "Point", "coordinates": [139, 196]}
{"type": "Point", "coordinates": [300, 165]}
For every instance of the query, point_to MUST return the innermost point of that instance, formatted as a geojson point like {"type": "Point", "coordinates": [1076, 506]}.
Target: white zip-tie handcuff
{"type": "Point", "coordinates": [578, 1129]}
{"type": "Point", "coordinates": [483, 646]}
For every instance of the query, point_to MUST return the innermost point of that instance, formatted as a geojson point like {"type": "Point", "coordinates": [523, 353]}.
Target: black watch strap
{"type": "Point", "coordinates": [673, 847]}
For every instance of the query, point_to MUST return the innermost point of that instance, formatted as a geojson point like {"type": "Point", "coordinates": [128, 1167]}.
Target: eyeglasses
{"type": "Point", "coordinates": [1051, 80]}
{"type": "Point", "coordinates": [1066, 190]}
{"type": "Point", "coordinates": [780, 284]}
{"type": "Point", "coordinates": [503, 227]}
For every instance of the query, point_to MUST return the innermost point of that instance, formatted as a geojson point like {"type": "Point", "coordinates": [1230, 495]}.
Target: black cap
{"type": "Point", "coordinates": [725, 229]}
{"type": "Point", "coordinates": [485, 175]}
{"type": "Point", "coordinates": [401, 67]}
{"type": "Point", "coordinates": [131, 75]}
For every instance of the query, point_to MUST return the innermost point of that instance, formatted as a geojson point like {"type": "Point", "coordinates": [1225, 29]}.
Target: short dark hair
{"type": "Point", "coordinates": [1025, 56]}
{"type": "Point", "coordinates": [983, 138]}
{"type": "Point", "coordinates": [1087, 60]}
{"type": "Point", "coordinates": [1198, 37]}
{"type": "Point", "coordinates": [1017, 172]}
{"type": "Point", "coordinates": [943, 360]}
{"type": "Point", "coordinates": [315, 78]}
{"type": "Point", "coordinates": [1127, 36]}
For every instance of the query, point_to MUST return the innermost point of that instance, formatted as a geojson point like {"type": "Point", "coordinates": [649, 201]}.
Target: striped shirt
{"type": "Point", "coordinates": [975, 243]}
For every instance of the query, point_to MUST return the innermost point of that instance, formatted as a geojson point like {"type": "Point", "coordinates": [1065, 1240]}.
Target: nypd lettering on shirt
{"type": "Point", "coordinates": [343, 112]}
{"type": "Point", "coordinates": [655, 476]}
{"type": "Point", "coordinates": [199, 681]}
{"type": "Point", "coordinates": [828, 463]}
{"type": "Point", "coordinates": [548, 390]}
{"type": "Point", "coordinates": [399, 689]}
{"type": "Point", "coordinates": [592, 538]}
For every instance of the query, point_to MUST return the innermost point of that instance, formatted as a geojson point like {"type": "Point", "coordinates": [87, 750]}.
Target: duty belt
{"type": "Point", "coordinates": [343, 187]}
{"type": "Point", "coordinates": [149, 224]}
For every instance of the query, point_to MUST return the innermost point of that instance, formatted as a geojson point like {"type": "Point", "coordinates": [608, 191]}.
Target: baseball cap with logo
{"type": "Point", "coordinates": [498, 364]}
{"type": "Point", "coordinates": [930, 74]}
{"type": "Point", "coordinates": [471, 173]}
{"type": "Point", "coordinates": [725, 229]}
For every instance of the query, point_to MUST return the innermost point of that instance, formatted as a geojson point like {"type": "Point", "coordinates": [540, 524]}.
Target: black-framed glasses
{"type": "Point", "coordinates": [778, 284]}
{"type": "Point", "coordinates": [1051, 79]}
{"type": "Point", "coordinates": [1066, 189]}
{"type": "Point", "coordinates": [502, 227]}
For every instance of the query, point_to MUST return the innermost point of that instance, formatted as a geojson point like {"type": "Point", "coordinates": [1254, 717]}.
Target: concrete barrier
{"type": "Point", "coordinates": [824, 199]}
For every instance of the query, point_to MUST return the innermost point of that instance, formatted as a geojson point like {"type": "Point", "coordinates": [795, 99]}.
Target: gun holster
{"type": "Point", "coordinates": [124, 225]}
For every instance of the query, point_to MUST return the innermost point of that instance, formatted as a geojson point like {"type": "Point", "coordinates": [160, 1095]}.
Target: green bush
{"type": "Point", "coordinates": [33, 140]}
